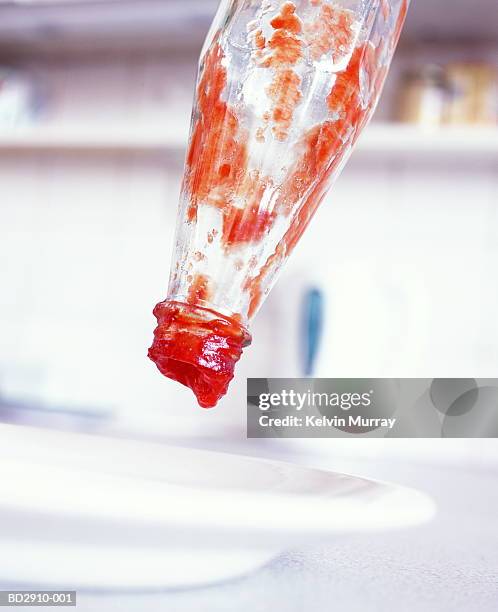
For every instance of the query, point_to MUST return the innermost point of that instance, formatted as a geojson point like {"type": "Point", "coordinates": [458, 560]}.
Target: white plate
{"type": "Point", "coordinates": [82, 511]}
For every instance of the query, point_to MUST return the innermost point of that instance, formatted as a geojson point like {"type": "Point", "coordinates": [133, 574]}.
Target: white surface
{"type": "Point", "coordinates": [93, 512]}
{"type": "Point", "coordinates": [447, 565]}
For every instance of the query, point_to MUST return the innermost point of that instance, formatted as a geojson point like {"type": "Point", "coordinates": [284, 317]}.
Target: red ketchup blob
{"type": "Point", "coordinates": [198, 348]}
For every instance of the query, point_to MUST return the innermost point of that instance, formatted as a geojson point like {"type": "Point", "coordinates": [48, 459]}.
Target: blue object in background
{"type": "Point", "coordinates": [312, 328]}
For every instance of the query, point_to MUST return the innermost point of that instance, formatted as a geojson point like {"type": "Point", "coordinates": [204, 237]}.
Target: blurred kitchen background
{"type": "Point", "coordinates": [95, 100]}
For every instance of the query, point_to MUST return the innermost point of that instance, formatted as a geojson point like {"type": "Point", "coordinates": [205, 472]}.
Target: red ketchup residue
{"type": "Point", "coordinates": [332, 32]}
{"type": "Point", "coordinates": [319, 154]}
{"type": "Point", "coordinates": [286, 95]}
{"type": "Point", "coordinates": [259, 40]}
{"type": "Point", "coordinates": [385, 8]}
{"type": "Point", "coordinates": [343, 97]}
{"type": "Point", "coordinates": [217, 157]}
{"type": "Point", "coordinates": [195, 345]}
{"type": "Point", "coordinates": [285, 49]}
{"type": "Point", "coordinates": [243, 225]}
{"type": "Point", "coordinates": [199, 289]}
{"type": "Point", "coordinates": [198, 348]}
{"type": "Point", "coordinates": [217, 161]}
{"type": "Point", "coordinates": [401, 20]}
{"type": "Point", "coordinates": [247, 224]}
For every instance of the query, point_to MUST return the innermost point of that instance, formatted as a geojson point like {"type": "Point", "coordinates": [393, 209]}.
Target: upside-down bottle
{"type": "Point", "coordinates": [283, 92]}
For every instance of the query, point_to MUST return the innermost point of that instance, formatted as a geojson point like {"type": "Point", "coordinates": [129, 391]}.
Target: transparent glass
{"type": "Point", "coordinates": [283, 91]}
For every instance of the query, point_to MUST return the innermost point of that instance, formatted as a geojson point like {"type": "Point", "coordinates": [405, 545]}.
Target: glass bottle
{"type": "Point", "coordinates": [283, 91]}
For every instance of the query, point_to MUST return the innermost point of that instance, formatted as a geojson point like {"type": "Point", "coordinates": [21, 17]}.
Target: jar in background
{"type": "Point", "coordinates": [473, 93]}
{"type": "Point", "coordinates": [423, 96]}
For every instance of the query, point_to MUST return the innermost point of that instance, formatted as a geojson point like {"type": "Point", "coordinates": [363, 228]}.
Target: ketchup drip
{"type": "Point", "coordinates": [198, 348]}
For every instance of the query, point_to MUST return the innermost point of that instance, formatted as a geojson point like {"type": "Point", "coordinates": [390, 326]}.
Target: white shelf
{"type": "Point", "coordinates": [381, 139]}
{"type": "Point", "coordinates": [425, 140]}
{"type": "Point", "coordinates": [95, 138]}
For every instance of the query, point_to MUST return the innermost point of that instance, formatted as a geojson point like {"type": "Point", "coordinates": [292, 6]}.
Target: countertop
{"type": "Point", "coordinates": [448, 565]}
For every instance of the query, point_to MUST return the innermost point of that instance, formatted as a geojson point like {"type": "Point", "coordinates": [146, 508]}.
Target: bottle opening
{"type": "Point", "coordinates": [198, 348]}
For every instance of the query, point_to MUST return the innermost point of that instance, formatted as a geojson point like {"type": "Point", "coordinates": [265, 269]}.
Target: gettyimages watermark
{"type": "Point", "coordinates": [372, 407]}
